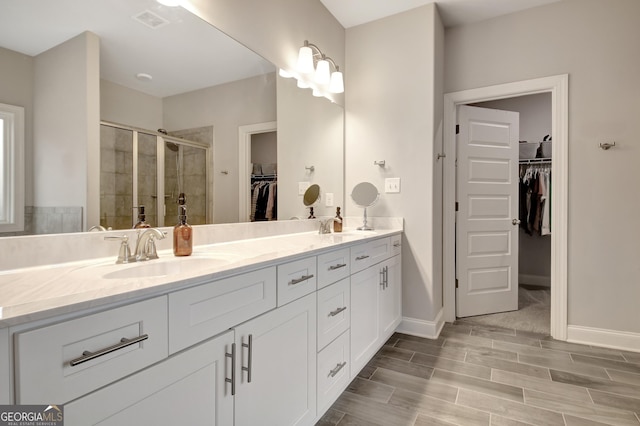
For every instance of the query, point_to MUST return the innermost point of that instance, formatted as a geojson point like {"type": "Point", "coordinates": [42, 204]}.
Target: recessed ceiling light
{"type": "Point", "coordinates": [144, 76]}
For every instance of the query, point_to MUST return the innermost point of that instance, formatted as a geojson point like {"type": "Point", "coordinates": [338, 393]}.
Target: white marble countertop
{"type": "Point", "coordinates": [41, 292]}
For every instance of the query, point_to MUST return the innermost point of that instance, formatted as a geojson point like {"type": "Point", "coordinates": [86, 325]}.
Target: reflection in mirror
{"type": "Point", "coordinates": [311, 198]}
{"type": "Point", "coordinates": [310, 132]}
{"type": "Point", "coordinates": [365, 194]}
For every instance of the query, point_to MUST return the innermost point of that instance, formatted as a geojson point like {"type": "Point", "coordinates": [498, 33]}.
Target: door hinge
{"type": "Point", "coordinates": [456, 206]}
{"type": "Point", "coordinates": [456, 283]}
{"type": "Point", "coordinates": [457, 129]}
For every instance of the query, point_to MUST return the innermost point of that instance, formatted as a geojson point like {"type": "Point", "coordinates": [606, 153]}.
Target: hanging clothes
{"type": "Point", "coordinates": [535, 198]}
{"type": "Point", "coordinates": [263, 199]}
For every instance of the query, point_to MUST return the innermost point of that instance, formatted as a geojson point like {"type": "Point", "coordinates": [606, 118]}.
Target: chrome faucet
{"type": "Point", "coordinates": [325, 226]}
{"type": "Point", "coordinates": [145, 245]}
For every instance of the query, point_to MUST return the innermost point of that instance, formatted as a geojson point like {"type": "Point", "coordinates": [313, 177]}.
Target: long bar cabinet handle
{"type": "Point", "coordinates": [366, 256]}
{"type": "Point", "coordinates": [336, 370]}
{"type": "Point", "coordinates": [249, 346]}
{"type": "Point", "coordinates": [338, 266]}
{"type": "Point", "coordinates": [232, 380]}
{"type": "Point", "coordinates": [337, 311]}
{"type": "Point", "coordinates": [301, 279]}
{"type": "Point", "coordinates": [124, 342]}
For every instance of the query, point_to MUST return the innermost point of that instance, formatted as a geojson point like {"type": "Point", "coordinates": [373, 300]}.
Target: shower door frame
{"type": "Point", "coordinates": [161, 140]}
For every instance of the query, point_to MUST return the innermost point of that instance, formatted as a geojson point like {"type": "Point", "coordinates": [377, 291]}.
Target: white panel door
{"type": "Point", "coordinates": [486, 223]}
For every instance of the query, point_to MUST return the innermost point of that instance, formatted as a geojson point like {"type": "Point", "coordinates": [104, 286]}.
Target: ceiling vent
{"type": "Point", "coordinates": [150, 19]}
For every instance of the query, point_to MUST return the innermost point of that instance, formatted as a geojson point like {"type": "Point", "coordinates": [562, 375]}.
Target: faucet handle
{"type": "Point", "coordinates": [150, 249]}
{"type": "Point", "coordinates": [124, 255]}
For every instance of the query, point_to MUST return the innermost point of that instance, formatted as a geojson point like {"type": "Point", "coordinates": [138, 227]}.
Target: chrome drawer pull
{"type": "Point", "coordinates": [88, 356]}
{"type": "Point", "coordinates": [249, 357]}
{"type": "Point", "coordinates": [301, 279]}
{"type": "Point", "coordinates": [232, 380]}
{"type": "Point", "coordinates": [336, 370]}
{"type": "Point", "coordinates": [337, 311]}
{"type": "Point", "coordinates": [362, 257]}
{"type": "Point", "coordinates": [396, 244]}
{"type": "Point", "coordinates": [338, 266]}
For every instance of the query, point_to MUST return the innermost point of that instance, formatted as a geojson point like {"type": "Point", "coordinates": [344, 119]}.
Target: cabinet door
{"type": "Point", "coordinates": [390, 300]}
{"type": "Point", "coordinates": [280, 358]}
{"type": "Point", "coordinates": [364, 317]}
{"type": "Point", "coordinates": [186, 389]}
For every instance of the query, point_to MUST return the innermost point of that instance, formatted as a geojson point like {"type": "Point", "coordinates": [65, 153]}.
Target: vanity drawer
{"type": "Point", "coordinates": [396, 244]}
{"type": "Point", "coordinates": [333, 371]}
{"type": "Point", "coordinates": [333, 266]}
{"type": "Point", "coordinates": [334, 311]}
{"type": "Point", "coordinates": [369, 253]}
{"type": "Point", "coordinates": [198, 313]}
{"type": "Point", "coordinates": [44, 357]}
{"type": "Point", "coordinates": [296, 279]}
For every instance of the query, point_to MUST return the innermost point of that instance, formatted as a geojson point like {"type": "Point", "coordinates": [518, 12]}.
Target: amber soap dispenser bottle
{"type": "Point", "coordinates": [182, 232]}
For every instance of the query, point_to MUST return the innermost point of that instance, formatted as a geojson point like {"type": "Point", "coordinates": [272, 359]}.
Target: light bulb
{"type": "Point", "coordinates": [285, 73]}
{"type": "Point", "coordinates": [305, 60]}
{"type": "Point", "coordinates": [337, 83]}
{"type": "Point", "coordinates": [303, 84]}
{"type": "Point", "coordinates": [322, 72]}
{"type": "Point", "coordinates": [317, 93]}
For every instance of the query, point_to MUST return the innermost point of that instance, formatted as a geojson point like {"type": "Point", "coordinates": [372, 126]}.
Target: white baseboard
{"type": "Point", "coordinates": [606, 338]}
{"type": "Point", "coordinates": [541, 280]}
{"type": "Point", "coordinates": [422, 328]}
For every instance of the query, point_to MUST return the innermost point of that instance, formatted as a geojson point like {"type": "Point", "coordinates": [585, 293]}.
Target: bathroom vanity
{"type": "Point", "coordinates": [262, 331]}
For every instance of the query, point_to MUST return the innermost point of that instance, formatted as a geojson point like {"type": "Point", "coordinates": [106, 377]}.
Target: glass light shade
{"type": "Point", "coordinates": [317, 93]}
{"type": "Point", "coordinates": [305, 60]}
{"type": "Point", "coordinates": [284, 73]}
{"type": "Point", "coordinates": [303, 84]}
{"type": "Point", "coordinates": [337, 83]}
{"type": "Point", "coordinates": [322, 72]}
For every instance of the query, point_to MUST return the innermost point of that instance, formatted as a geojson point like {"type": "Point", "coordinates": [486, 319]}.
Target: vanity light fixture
{"type": "Point", "coordinates": [316, 66]}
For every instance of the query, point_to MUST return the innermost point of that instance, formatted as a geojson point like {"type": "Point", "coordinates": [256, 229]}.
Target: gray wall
{"type": "Point", "coordinates": [394, 113]}
{"type": "Point", "coordinates": [593, 41]}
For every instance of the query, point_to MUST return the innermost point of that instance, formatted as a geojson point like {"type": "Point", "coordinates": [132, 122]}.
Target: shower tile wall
{"type": "Point", "coordinates": [147, 176]}
{"type": "Point", "coordinates": [193, 175]}
{"type": "Point", "coordinates": [116, 181]}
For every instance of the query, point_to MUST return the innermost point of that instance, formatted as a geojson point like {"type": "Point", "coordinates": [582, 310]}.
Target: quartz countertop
{"type": "Point", "coordinates": [35, 293]}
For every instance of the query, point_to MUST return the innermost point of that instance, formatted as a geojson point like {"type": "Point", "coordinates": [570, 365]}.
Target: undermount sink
{"type": "Point", "coordinates": [160, 268]}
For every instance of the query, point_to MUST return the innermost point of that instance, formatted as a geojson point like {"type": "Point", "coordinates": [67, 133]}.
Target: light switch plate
{"type": "Point", "coordinates": [392, 185]}
{"type": "Point", "coordinates": [328, 199]}
{"type": "Point", "coordinates": [302, 187]}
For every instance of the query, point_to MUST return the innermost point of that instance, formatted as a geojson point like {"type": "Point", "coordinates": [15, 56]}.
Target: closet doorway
{"type": "Point", "coordinates": [264, 135]}
{"type": "Point", "coordinates": [557, 87]}
{"type": "Point", "coordinates": [503, 257]}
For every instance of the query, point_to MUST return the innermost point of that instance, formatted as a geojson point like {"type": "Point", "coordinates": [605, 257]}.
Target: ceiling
{"type": "Point", "coordinates": [182, 54]}
{"type": "Point", "coordinates": [453, 12]}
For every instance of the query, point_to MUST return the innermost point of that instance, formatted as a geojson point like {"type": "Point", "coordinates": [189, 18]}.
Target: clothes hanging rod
{"type": "Point", "coordinates": [536, 161]}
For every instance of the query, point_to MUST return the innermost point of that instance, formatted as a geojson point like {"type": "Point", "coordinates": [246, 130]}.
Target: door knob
{"type": "Point", "coordinates": [516, 221]}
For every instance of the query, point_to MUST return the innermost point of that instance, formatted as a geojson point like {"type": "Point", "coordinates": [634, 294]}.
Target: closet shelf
{"type": "Point", "coordinates": [536, 161]}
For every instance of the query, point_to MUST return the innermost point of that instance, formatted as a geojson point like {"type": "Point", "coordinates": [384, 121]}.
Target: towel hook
{"type": "Point", "coordinates": [380, 163]}
{"type": "Point", "coordinates": [310, 168]}
{"type": "Point", "coordinates": [606, 146]}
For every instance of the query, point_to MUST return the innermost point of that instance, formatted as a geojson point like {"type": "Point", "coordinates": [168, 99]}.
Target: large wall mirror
{"type": "Point", "coordinates": [129, 102]}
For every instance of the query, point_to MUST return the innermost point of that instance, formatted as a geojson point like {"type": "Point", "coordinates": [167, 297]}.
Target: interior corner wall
{"type": "Point", "coordinates": [277, 29]}
{"type": "Point", "coordinates": [16, 88]}
{"type": "Point", "coordinates": [122, 105]}
{"type": "Point", "coordinates": [590, 40]}
{"type": "Point", "coordinates": [66, 121]}
{"type": "Point", "coordinates": [391, 92]}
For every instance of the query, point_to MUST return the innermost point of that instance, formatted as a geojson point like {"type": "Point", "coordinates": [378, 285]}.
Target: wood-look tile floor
{"type": "Point", "coordinates": [482, 375]}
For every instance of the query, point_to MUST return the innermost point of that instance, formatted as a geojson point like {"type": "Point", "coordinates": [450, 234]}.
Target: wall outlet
{"type": "Point", "coordinates": [302, 187]}
{"type": "Point", "coordinates": [328, 199]}
{"type": "Point", "coordinates": [392, 185]}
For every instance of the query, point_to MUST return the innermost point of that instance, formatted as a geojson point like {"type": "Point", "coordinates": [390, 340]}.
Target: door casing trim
{"type": "Point", "coordinates": [558, 86]}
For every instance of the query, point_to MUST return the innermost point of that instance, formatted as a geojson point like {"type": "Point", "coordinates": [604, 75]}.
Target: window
{"type": "Point", "coordinates": [11, 168]}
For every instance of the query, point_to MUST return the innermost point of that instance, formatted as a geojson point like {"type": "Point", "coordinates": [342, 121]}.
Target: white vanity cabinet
{"type": "Point", "coordinates": [60, 362]}
{"type": "Point", "coordinates": [376, 298]}
{"type": "Point", "coordinates": [269, 346]}
{"type": "Point", "coordinates": [276, 366]}
{"type": "Point", "coordinates": [186, 389]}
